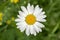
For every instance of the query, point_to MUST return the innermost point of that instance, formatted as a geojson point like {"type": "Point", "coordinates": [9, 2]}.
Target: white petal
{"type": "Point", "coordinates": [18, 20]}
{"type": "Point", "coordinates": [34, 33]}
{"type": "Point", "coordinates": [37, 10]}
{"type": "Point", "coordinates": [21, 23]}
{"type": "Point", "coordinates": [31, 29]}
{"type": "Point", "coordinates": [43, 16]}
{"type": "Point", "coordinates": [37, 29]}
{"type": "Point", "coordinates": [21, 17]}
{"type": "Point", "coordinates": [42, 12]}
{"type": "Point", "coordinates": [22, 14]}
{"type": "Point", "coordinates": [40, 16]}
{"type": "Point", "coordinates": [27, 31]}
{"type": "Point", "coordinates": [24, 9]}
{"type": "Point", "coordinates": [41, 20]}
{"type": "Point", "coordinates": [21, 26]}
{"type": "Point", "coordinates": [30, 9]}
{"type": "Point", "coordinates": [40, 25]}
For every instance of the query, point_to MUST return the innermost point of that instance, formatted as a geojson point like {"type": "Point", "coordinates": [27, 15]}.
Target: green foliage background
{"type": "Point", "coordinates": [52, 25]}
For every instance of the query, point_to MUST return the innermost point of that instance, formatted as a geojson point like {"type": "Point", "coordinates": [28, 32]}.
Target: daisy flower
{"type": "Point", "coordinates": [29, 20]}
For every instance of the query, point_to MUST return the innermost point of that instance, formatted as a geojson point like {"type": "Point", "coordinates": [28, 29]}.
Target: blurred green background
{"type": "Point", "coordinates": [9, 11]}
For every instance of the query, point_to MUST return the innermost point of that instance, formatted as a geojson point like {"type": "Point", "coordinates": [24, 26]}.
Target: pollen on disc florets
{"type": "Point", "coordinates": [30, 19]}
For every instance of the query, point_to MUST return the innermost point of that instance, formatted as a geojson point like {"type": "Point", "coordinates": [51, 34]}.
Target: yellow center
{"type": "Point", "coordinates": [30, 19]}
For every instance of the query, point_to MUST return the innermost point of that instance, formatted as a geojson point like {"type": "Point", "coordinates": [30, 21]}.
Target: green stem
{"type": "Point", "coordinates": [3, 28]}
{"type": "Point", "coordinates": [54, 30]}
{"type": "Point", "coordinates": [52, 5]}
{"type": "Point", "coordinates": [56, 27]}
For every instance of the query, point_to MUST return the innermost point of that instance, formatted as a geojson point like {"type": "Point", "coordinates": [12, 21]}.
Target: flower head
{"type": "Point", "coordinates": [12, 18]}
{"type": "Point", "coordinates": [30, 18]}
{"type": "Point", "coordinates": [1, 15]}
{"type": "Point", "coordinates": [14, 1]}
{"type": "Point", "coordinates": [0, 23]}
{"type": "Point", "coordinates": [8, 22]}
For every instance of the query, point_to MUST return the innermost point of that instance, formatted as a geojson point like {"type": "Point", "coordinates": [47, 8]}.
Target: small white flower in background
{"type": "Point", "coordinates": [30, 18]}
